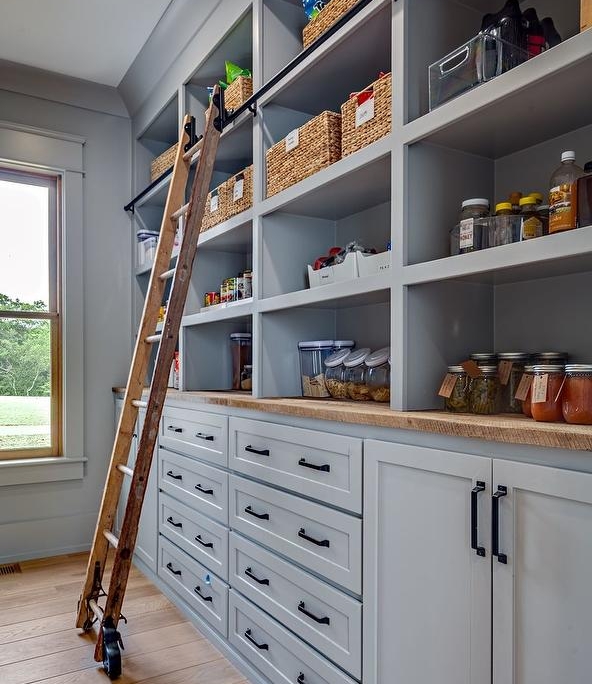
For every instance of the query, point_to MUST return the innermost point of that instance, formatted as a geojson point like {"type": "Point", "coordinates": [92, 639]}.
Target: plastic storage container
{"type": "Point", "coordinates": [312, 366]}
{"type": "Point", "coordinates": [577, 394]}
{"type": "Point", "coordinates": [458, 401]}
{"type": "Point", "coordinates": [355, 375]}
{"type": "Point", "coordinates": [378, 375]}
{"type": "Point", "coordinates": [548, 410]}
{"type": "Point", "coordinates": [240, 346]}
{"type": "Point", "coordinates": [343, 344]}
{"type": "Point", "coordinates": [335, 374]}
{"type": "Point", "coordinates": [247, 378]}
{"type": "Point", "coordinates": [484, 392]}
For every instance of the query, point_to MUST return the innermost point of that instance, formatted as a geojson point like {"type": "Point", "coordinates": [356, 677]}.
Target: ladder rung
{"type": "Point", "coordinates": [182, 210]}
{"type": "Point", "coordinates": [138, 403]}
{"type": "Point", "coordinates": [111, 538]}
{"type": "Point", "coordinates": [167, 274]}
{"type": "Point", "coordinates": [192, 150]}
{"type": "Point", "coordinates": [96, 609]}
{"type": "Point", "coordinates": [151, 339]}
{"type": "Point", "coordinates": [126, 470]}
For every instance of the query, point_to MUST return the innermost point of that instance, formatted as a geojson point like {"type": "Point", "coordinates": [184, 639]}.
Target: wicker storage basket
{"type": "Point", "coordinates": [363, 124]}
{"type": "Point", "coordinates": [303, 152]}
{"type": "Point", "coordinates": [239, 192]}
{"type": "Point", "coordinates": [163, 162]}
{"type": "Point", "coordinates": [215, 212]}
{"type": "Point", "coordinates": [325, 19]}
{"type": "Point", "coordinates": [237, 92]}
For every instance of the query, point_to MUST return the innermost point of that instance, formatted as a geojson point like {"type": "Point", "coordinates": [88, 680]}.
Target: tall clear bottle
{"type": "Point", "coordinates": [562, 195]}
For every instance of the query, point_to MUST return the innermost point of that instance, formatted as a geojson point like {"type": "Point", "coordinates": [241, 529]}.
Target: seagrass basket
{"type": "Point", "coordinates": [163, 162]}
{"type": "Point", "coordinates": [238, 92]}
{"type": "Point", "coordinates": [239, 192]}
{"type": "Point", "coordinates": [216, 209]}
{"type": "Point", "coordinates": [325, 19]}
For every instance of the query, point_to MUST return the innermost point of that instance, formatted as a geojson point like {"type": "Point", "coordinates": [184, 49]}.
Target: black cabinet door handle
{"type": "Point", "coordinates": [479, 487]}
{"type": "Point", "coordinates": [259, 452]}
{"type": "Point", "coordinates": [322, 621]}
{"type": "Point", "coordinates": [172, 569]}
{"type": "Point", "coordinates": [301, 679]}
{"type": "Point", "coordinates": [203, 490]}
{"type": "Point", "coordinates": [197, 590]}
{"type": "Point", "coordinates": [261, 647]}
{"type": "Point", "coordinates": [174, 428]}
{"type": "Point", "coordinates": [199, 540]}
{"type": "Point", "coordinates": [249, 573]}
{"type": "Point", "coordinates": [502, 490]}
{"type": "Point", "coordinates": [175, 477]}
{"type": "Point", "coordinates": [261, 516]}
{"type": "Point", "coordinates": [319, 542]}
{"type": "Point", "coordinates": [173, 523]}
{"type": "Point", "coordinates": [201, 435]}
{"type": "Point", "coordinates": [326, 468]}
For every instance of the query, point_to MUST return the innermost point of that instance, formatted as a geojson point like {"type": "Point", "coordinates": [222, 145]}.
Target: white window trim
{"type": "Point", "coordinates": [63, 154]}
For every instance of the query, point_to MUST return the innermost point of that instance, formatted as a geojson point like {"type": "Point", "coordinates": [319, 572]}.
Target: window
{"type": "Point", "coordinates": [30, 324]}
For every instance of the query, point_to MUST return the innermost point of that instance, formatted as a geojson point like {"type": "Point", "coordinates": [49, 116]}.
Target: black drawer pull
{"type": "Point", "coordinates": [326, 468]}
{"type": "Point", "coordinates": [199, 540]}
{"type": "Point", "coordinates": [173, 523]}
{"type": "Point", "coordinates": [261, 516]}
{"type": "Point", "coordinates": [323, 542]}
{"type": "Point", "coordinates": [197, 590]}
{"type": "Point", "coordinates": [321, 621]}
{"type": "Point", "coordinates": [169, 566]}
{"type": "Point", "coordinates": [201, 435]}
{"type": "Point", "coordinates": [203, 490]}
{"type": "Point", "coordinates": [479, 487]}
{"type": "Point", "coordinates": [175, 477]}
{"type": "Point", "coordinates": [301, 679]}
{"type": "Point", "coordinates": [260, 452]}
{"type": "Point", "coordinates": [174, 428]}
{"type": "Point", "coordinates": [249, 573]}
{"type": "Point", "coordinates": [261, 647]}
{"type": "Point", "coordinates": [502, 490]}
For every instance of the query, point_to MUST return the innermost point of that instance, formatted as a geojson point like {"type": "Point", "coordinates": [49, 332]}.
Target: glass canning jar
{"type": "Point", "coordinates": [484, 358]}
{"type": "Point", "coordinates": [378, 375]}
{"type": "Point", "coordinates": [577, 394]}
{"type": "Point", "coordinates": [355, 375]}
{"type": "Point", "coordinates": [548, 411]}
{"type": "Point", "coordinates": [526, 410]}
{"type": "Point", "coordinates": [335, 374]}
{"type": "Point", "coordinates": [551, 357]}
{"type": "Point", "coordinates": [458, 401]}
{"type": "Point", "coordinates": [508, 401]}
{"type": "Point", "coordinates": [484, 392]}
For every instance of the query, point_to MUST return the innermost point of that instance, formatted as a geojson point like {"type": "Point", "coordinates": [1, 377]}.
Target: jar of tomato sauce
{"type": "Point", "coordinates": [526, 410]}
{"type": "Point", "coordinates": [549, 410]}
{"type": "Point", "coordinates": [577, 394]}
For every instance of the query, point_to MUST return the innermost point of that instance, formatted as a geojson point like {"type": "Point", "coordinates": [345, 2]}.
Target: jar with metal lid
{"type": "Point", "coordinates": [355, 375]}
{"type": "Point", "coordinates": [549, 410]}
{"type": "Point", "coordinates": [458, 401]}
{"type": "Point", "coordinates": [511, 369]}
{"type": "Point", "coordinates": [526, 409]}
{"type": "Point", "coordinates": [484, 358]}
{"type": "Point", "coordinates": [484, 392]}
{"type": "Point", "coordinates": [247, 378]}
{"type": "Point", "coordinates": [577, 394]}
{"type": "Point", "coordinates": [378, 375]}
{"type": "Point", "coordinates": [558, 358]}
{"type": "Point", "coordinates": [343, 344]}
{"type": "Point", "coordinates": [240, 345]}
{"type": "Point", "coordinates": [335, 374]}
{"type": "Point", "coordinates": [312, 366]}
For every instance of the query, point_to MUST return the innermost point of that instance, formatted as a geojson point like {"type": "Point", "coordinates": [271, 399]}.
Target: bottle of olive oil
{"type": "Point", "coordinates": [562, 195]}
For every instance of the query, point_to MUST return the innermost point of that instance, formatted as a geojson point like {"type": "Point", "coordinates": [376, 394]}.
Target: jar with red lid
{"type": "Point", "coordinates": [549, 410]}
{"type": "Point", "coordinates": [577, 394]}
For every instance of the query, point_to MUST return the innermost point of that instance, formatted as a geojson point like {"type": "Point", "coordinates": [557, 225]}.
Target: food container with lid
{"type": "Point", "coordinates": [484, 358]}
{"type": "Point", "coordinates": [247, 378]}
{"type": "Point", "coordinates": [355, 375]}
{"type": "Point", "coordinates": [312, 366]}
{"type": "Point", "coordinates": [551, 357]}
{"type": "Point", "coordinates": [484, 392]}
{"type": "Point", "coordinates": [577, 394]}
{"type": "Point", "coordinates": [240, 346]}
{"type": "Point", "coordinates": [458, 401]}
{"type": "Point", "coordinates": [335, 374]}
{"type": "Point", "coordinates": [548, 410]}
{"type": "Point", "coordinates": [378, 374]}
{"type": "Point", "coordinates": [510, 377]}
{"type": "Point", "coordinates": [343, 344]}
{"type": "Point", "coordinates": [526, 408]}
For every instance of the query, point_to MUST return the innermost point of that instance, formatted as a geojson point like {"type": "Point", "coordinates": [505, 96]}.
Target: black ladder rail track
{"type": "Point", "coordinates": [251, 103]}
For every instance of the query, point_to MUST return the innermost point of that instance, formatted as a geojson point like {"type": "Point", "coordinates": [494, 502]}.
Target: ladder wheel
{"type": "Point", "coordinates": [88, 625]}
{"type": "Point", "coordinates": [112, 660]}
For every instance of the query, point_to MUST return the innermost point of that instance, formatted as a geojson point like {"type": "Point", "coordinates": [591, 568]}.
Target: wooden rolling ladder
{"type": "Point", "coordinates": [109, 640]}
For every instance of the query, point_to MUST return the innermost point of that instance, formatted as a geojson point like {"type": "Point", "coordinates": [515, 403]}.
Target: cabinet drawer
{"type": "Point", "coordinates": [282, 657]}
{"type": "Point", "coordinates": [197, 586]}
{"type": "Point", "coordinates": [195, 433]}
{"type": "Point", "coordinates": [202, 538]}
{"type": "Point", "coordinates": [320, 538]}
{"type": "Point", "coordinates": [321, 465]}
{"type": "Point", "coordinates": [196, 484]}
{"type": "Point", "coordinates": [325, 617]}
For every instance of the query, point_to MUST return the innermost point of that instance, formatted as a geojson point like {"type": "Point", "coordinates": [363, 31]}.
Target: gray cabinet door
{"type": "Point", "coordinates": [427, 593]}
{"type": "Point", "coordinates": [542, 596]}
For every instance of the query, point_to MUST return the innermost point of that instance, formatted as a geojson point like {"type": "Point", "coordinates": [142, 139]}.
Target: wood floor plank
{"type": "Point", "coordinates": [215, 672]}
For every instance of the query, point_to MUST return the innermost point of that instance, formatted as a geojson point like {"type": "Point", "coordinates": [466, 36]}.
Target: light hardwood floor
{"type": "Point", "coordinates": [39, 643]}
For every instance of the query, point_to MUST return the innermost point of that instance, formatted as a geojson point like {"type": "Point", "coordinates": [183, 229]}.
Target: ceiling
{"type": "Point", "coordinates": [96, 40]}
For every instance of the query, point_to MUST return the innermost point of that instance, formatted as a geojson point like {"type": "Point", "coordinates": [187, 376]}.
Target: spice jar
{"type": "Point", "coordinates": [458, 401]}
{"type": "Point", "coordinates": [484, 358]}
{"type": "Point", "coordinates": [526, 408]}
{"type": "Point", "coordinates": [335, 374]}
{"type": "Point", "coordinates": [510, 371]}
{"type": "Point", "coordinates": [532, 226]}
{"type": "Point", "coordinates": [312, 366]}
{"type": "Point", "coordinates": [549, 409]}
{"type": "Point", "coordinates": [577, 394]}
{"type": "Point", "coordinates": [240, 345]}
{"type": "Point", "coordinates": [247, 378]}
{"type": "Point", "coordinates": [355, 375]}
{"type": "Point", "coordinates": [484, 392]}
{"type": "Point", "coordinates": [378, 375]}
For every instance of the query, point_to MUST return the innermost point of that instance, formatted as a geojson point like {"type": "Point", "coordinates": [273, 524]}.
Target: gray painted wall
{"type": "Point", "coordinates": [39, 520]}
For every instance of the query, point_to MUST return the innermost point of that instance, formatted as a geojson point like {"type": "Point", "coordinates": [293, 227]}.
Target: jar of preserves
{"type": "Point", "coordinates": [510, 370]}
{"type": "Point", "coordinates": [335, 374]}
{"type": "Point", "coordinates": [458, 401]}
{"type": "Point", "coordinates": [526, 410]}
{"type": "Point", "coordinates": [484, 392]}
{"type": "Point", "coordinates": [378, 375]}
{"type": "Point", "coordinates": [312, 366]}
{"type": "Point", "coordinates": [548, 410]}
{"type": "Point", "coordinates": [577, 394]}
{"type": "Point", "coordinates": [355, 375]}
{"type": "Point", "coordinates": [484, 358]}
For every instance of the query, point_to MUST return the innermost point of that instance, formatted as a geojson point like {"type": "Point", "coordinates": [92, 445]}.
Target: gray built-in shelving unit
{"type": "Point", "coordinates": [431, 308]}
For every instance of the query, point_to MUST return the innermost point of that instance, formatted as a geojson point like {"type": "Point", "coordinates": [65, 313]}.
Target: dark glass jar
{"type": "Point", "coordinates": [484, 392]}
{"type": "Point", "coordinates": [508, 401]}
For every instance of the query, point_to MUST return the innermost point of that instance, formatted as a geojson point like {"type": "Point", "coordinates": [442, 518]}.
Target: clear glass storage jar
{"type": "Point", "coordinates": [355, 375]}
{"type": "Point", "coordinates": [576, 397]}
{"type": "Point", "coordinates": [458, 401]}
{"type": "Point", "coordinates": [378, 374]}
{"type": "Point", "coordinates": [526, 410]}
{"type": "Point", "coordinates": [484, 358]}
{"type": "Point", "coordinates": [312, 366]}
{"type": "Point", "coordinates": [335, 374]}
{"type": "Point", "coordinates": [240, 346]}
{"type": "Point", "coordinates": [484, 392]}
{"type": "Point", "coordinates": [508, 401]}
{"type": "Point", "coordinates": [549, 410]}
{"type": "Point", "coordinates": [553, 358]}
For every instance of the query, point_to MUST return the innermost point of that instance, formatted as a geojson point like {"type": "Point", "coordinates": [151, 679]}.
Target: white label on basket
{"type": "Point", "coordinates": [213, 203]}
{"type": "Point", "coordinates": [365, 112]}
{"type": "Point", "coordinates": [466, 233]}
{"type": "Point", "coordinates": [238, 191]}
{"type": "Point", "coordinates": [292, 140]}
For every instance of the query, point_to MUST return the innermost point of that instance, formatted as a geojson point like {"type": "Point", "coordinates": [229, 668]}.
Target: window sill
{"type": "Point", "coordinates": [36, 470]}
